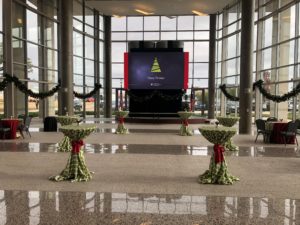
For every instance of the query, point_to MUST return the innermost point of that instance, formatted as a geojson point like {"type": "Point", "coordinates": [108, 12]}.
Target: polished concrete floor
{"type": "Point", "coordinates": [125, 190]}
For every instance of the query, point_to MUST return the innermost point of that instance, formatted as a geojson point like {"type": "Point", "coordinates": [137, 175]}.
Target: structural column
{"type": "Point", "coordinates": [107, 77]}
{"type": "Point", "coordinates": [66, 60]}
{"type": "Point", "coordinates": [211, 68]}
{"type": "Point", "coordinates": [9, 101]}
{"type": "Point", "coordinates": [96, 65]}
{"type": "Point", "coordinates": [246, 67]}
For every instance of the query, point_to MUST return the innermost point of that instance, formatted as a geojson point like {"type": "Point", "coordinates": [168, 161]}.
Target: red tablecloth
{"type": "Point", "coordinates": [277, 137]}
{"type": "Point", "coordinates": [13, 125]}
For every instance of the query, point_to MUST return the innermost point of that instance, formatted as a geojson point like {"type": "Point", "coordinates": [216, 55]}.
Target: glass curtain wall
{"type": "Point", "coordinates": [276, 56]}
{"type": "Point", "coordinates": [35, 53]}
{"type": "Point", "coordinates": [87, 36]}
{"type": "Point", "coordinates": [192, 30]}
{"type": "Point", "coordinates": [228, 57]}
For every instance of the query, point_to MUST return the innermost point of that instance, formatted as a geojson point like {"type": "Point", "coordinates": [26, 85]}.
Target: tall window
{"type": "Point", "coordinates": [276, 55]}
{"type": "Point", "coordinates": [35, 53]}
{"type": "Point", "coordinates": [87, 34]}
{"type": "Point", "coordinates": [228, 56]}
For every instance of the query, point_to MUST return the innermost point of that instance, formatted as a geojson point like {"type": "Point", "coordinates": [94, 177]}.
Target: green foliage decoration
{"type": "Point", "coordinates": [155, 93]}
{"type": "Point", "coordinates": [88, 95]}
{"type": "Point", "coordinates": [23, 88]}
{"type": "Point", "coordinates": [259, 84]}
{"type": "Point", "coordinates": [227, 95]}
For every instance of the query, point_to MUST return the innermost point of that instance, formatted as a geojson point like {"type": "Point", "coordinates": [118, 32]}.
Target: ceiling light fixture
{"type": "Point", "coordinates": [199, 13]}
{"type": "Point", "coordinates": [117, 16]}
{"type": "Point", "coordinates": [144, 12]}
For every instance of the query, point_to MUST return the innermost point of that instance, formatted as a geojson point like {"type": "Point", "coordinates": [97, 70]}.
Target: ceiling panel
{"type": "Point", "coordinates": [162, 7]}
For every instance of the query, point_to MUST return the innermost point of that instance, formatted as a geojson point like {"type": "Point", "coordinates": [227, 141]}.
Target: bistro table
{"type": "Point", "coordinates": [121, 129]}
{"type": "Point", "coordinates": [76, 169]}
{"type": "Point", "coordinates": [275, 128]}
{"type": "Point", "coordinates": [11, 123]}
{"type": "Point", "coordinates": [65, 145]}
{"type": "Point", "coordinates": [218, 171]}
{"type": "Point", "coordinates": [229, 122]}
{"type": "Point", "coordinates": [184, 128]}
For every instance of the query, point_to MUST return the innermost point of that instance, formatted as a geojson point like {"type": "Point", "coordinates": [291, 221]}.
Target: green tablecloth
{"type": "Point", "coordinates": [229, 122]}
{"type": "Point", "coordinates": [184, 128]}
{"type": "Point", "coordinates": [65, 145]}
{"type": "Point", "coordinates": [218, 171]}
{"type": "Point", "coordinates": [121, 129]}
{"type": "Point", "coordinates": [76, 169]}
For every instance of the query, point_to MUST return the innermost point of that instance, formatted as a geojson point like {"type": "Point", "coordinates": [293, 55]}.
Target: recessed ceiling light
{"type": "Point", "coordinates": [199, 13]}
{"type": "Point", "coordinates": [117, 16]}
{"type": "Point", "coordinates": [144, 12]}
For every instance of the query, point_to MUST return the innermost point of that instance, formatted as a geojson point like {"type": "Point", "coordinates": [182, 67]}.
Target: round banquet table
{"type": "Point", "coordinates": [76, 169]}
{"type": "Point", "coordinates": [218, 172]}
{"type": "Point", "coordinates": [184, 128]}
{"type": "Point", "coordinates": [65, 145]}
{"type": "Point", "coordinates": [13, 125]}
{"type": "Point", "coordinates": [229, 122]}
{"type": "Point", "coordinates": [121, 129]}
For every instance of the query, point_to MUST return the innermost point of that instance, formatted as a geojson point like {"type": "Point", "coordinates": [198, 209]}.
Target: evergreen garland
{"type": "Point", "coordinates": [3, 84]}
{"type": "Point", "coordinates": [41, 95]}
{"type": "Point", "coordinates": [229, 96]}
{"type": "Point", "coordinates": [23, 88]}
{"type": "Point", "coordinates": [155, 93]}
{"type": "Point", "coordinates": [276, 98]}
{"type": "Point", "coordinates": [88, 95]}
{"type": "Point", "coordinates": [259, 84]}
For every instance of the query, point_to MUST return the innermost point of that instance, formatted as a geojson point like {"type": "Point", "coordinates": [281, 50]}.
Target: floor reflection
{"type": "Point", "coordinates": [153, 149]}
{"type": "Point", "coordinates": [39, 207]}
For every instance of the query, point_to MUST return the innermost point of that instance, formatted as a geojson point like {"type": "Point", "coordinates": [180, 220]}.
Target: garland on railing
{"type": "Point", "coordinates": [155, 93]}
{"type": "Point", "coordinates": [88, 95]}
{"type": "Point", "coordinates": [259, 84]}
{"type": "Point", "coordinates": [41, 95]}
{"type": "Point", "coordinates": [227, 95]}
{"type": "Point", "coordinates": [276, 98]}
{"type": "Point", "coordinates": [23, 88]}
{"type": "Point", "coordinates": [3, 84]}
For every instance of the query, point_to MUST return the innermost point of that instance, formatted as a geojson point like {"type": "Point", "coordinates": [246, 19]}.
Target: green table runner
{"type": "Point", "coordinates": [76, 169]}
{"type": "Point", "coordinates": [229, 122]}
{"type": "Point", "coordinates": [218, 171]}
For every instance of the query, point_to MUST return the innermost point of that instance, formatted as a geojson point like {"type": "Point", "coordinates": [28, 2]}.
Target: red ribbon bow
{"type": "Point", "coordinates": [218, 150]}
{"type": "Point", "coordinates": [76, 146]}
{"type": "Point", "coordinates": [121, 120]}
{"type": "Point", "coordinates": [185, 122]}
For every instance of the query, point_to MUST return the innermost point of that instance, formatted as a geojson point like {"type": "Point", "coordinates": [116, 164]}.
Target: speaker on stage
{"type": "Point", "coordinates": [147, 44]}
{"type": "Point", "coordinates": [162, 44]}
{"type": "Point", "coordinates": [133, 44]}
{"type": "Point", "coordinates": [175, 44]}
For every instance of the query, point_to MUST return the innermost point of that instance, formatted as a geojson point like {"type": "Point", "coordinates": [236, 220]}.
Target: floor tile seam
{"type": "Point", "coordinates": [133, 156]}
{"type": "Point", "coordinates": [282, 197]}
{"type": "Point", "coordinates": [291, 146]}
